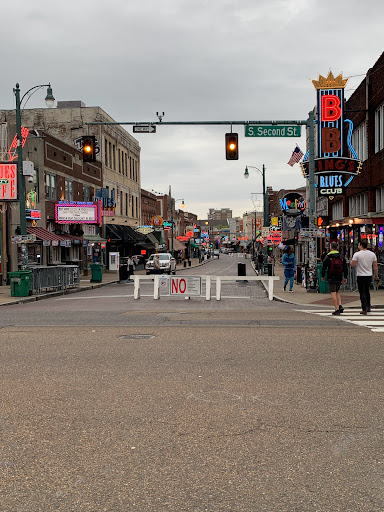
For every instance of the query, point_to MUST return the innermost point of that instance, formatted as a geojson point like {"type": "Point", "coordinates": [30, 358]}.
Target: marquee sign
{"type": "Point", "coordinates": [333, 131]}
{"type": "Point", "coordinates": [73, 212]}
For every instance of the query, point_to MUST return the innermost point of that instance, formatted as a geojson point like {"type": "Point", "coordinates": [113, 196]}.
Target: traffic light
{"type": "Point", "coordinates": [231, 146]}
{"type": "Point", "coordinates": [89, 148]}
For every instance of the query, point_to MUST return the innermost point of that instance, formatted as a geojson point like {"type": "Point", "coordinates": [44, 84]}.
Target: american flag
{"type": "Point", "coordinates": [296, 156]}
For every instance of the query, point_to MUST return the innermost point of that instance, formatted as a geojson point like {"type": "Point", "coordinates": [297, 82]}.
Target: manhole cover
{"type": "Point", "coordinates": [137, 336]}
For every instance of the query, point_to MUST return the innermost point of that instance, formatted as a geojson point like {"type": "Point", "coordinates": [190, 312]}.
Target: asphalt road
{"type": "Point", "coordinates": [111, 404]}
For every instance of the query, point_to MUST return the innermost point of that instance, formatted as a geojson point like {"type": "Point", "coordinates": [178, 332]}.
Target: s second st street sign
{"type": "Point", "coordinates": [272, 131]}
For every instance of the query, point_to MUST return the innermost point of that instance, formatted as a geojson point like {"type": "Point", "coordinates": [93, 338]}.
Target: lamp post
{"type": "Point", "coordinates": [265, 199]}
{"type": "Point", "coordinates": [173, 201]}
{"type": "Point", "coordinates": [50, 101]}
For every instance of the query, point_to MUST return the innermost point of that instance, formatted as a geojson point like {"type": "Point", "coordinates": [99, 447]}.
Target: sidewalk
{"type": "Point", "coordinates": [301, 296]}
{"type": "Point", "coordinates": [109, 277]}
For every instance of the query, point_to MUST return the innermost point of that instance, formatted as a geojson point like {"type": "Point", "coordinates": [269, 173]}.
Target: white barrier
{"type": "Point", "coordinates": [208, 281]}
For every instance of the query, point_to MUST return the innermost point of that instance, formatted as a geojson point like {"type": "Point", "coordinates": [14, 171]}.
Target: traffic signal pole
{"type": "Point", "coordinates": [309, 123]}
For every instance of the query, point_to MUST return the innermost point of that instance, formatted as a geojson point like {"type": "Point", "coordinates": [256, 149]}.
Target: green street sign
{"type": "Point", "coordinates": [272, 130]}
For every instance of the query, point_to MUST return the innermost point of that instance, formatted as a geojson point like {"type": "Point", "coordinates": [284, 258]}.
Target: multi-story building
{"type": "Point", "coordinates": [216, 217]}
{"type": "Point", "coordinates": [360, 212]}
{"type": "Point", "coordinates": [117, 170]}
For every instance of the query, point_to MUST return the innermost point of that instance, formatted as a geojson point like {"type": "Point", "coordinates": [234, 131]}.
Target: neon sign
{"type": "Point", "coordinates": [8, 182]}
{"type": "Point", "coordinates": [330, 135]}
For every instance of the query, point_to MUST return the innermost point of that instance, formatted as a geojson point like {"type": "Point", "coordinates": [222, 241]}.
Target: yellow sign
{"type": "Point", "coordinates": [157, 221]}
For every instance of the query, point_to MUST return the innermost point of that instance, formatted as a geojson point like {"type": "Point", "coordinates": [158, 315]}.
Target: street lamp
{"type": "Point", "coordinates": [50, 101]}
{"type": "Point", "coordinates": [265, 199]}
{"type": "Point", "coordinates": [173, 201]}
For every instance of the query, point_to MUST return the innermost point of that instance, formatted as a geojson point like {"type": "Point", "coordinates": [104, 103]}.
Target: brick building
{"type": "Point", "coordinates": [360, 212]}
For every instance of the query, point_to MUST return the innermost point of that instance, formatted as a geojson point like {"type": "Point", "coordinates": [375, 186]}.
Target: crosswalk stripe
{"type": "Point", "coordinates": [373, 320]}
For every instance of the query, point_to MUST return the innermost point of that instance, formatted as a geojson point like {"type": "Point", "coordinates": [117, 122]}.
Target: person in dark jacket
{"type": "Point", "coordinates": [289, 263]}
{"type": "Point", "coordinates": [337, 268]}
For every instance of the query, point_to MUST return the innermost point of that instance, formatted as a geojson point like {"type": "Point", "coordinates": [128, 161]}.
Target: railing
{"type": "Point", "coordinates": [208, 281]}
{"type": "Point", "coordinates": [56, 278]}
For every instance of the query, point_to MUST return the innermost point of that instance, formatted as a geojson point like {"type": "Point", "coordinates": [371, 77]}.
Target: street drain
{"type": "Point", "coordinates": [137, 336]}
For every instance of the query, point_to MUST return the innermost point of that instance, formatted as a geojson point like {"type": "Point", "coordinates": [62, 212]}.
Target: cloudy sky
{"type": "Point", "coordinates": [195, 60]}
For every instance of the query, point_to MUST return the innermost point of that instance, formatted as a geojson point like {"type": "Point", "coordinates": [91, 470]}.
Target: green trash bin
{"type": "Point", "coordinates": [323, 285]}
{"type": "Point", "coordinates": [97, 272]}
{"type": "Point", "coordinates": [21, 282]}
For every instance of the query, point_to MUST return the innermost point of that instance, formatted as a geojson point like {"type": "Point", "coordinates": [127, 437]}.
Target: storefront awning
{"type": "Point", "coordinates": [152, 239]}
{"type": "Point", "coordinates": [44, 234]}
{"type": "Point", "coordinates": [177, 245]}
{"type": "Point", "coordinates": [119, 232]}
{"type": "Point", "coordinates": [94, 239]}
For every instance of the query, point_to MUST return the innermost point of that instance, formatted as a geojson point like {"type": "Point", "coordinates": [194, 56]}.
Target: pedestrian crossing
{"type": "Point", "coordinates": [373, 320]}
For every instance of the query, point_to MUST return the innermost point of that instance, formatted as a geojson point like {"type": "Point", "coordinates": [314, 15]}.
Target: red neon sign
{"type": "Point", "coordinates": [330, 107]}
{"type": "Point", "coordinates": [13, 146]}
{"type": "Point", "coordinates": [8, 182]}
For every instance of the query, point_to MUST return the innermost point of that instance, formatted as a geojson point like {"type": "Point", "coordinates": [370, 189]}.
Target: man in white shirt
{"type": "Point", "coordinates": [364, 261]}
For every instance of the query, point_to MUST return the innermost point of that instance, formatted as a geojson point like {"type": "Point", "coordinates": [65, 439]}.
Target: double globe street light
{"type": "Point", "coordinates": [50, 102]}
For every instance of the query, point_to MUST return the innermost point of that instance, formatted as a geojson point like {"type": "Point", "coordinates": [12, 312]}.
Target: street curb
{"type": "Point", "coordinates": [35, 298]}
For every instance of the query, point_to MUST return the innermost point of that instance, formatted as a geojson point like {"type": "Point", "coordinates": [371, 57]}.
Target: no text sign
{"type": "Point", "coordinates": [187, 286]}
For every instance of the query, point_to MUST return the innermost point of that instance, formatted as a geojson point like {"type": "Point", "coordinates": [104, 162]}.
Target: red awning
{"type": "Point", "coordinates": [44, 234]}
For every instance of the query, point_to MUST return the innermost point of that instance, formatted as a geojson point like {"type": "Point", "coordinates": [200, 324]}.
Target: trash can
{"type": "Point", "coordinates": [123, 272]}
{"type": "Point", "coordinates": [97, 272]}
{"type": "Point", "coordinates": [270, 269]}
{"type": "Point", "coordinates": [21, 282]}
{"type": "Point", "coordinates": [241, 269]}
{"type": "Point", "coordinates": [323, 285]}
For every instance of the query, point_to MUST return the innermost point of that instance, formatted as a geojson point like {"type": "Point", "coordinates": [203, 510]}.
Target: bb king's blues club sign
{"type": "Point", "coordinates": [334, 167]}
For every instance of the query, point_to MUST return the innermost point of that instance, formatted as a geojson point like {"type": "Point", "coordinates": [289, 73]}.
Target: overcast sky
{"type": "Point", "coordinates": [194, 60]}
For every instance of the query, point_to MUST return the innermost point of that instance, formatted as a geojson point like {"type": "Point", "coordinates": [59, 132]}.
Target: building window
{"type": "Point", "coordinates": [379, 128]}
{"type": "Point", "coordinates": [121, 202]}
{"type": "Point", "coordinates": [118, 154]}
{"type": "Point", "coordinates": [50, 187]}
{"type": "Point", "coordinates": [126, 204]}
{"type": "Point", "coordinates": [122, 162]}
{"type": "Point", "coordinates": [126, 164]}
{"type": "Point", "coordinates": [380, 199]}
{"type": "Point", "coordinates": [114, 157]}
{"type": "Point", "coordinates": [137, 207]}
{"type": "Point", "coordinates": [359, 141]}
{"type": "Point", "coordinates": [69, 194]}
{"type": "Point", "coordinates": [110, 154]}
{"type": "Point", "coordinates": [133, 206]}
{"type": "Point", "coordinates": [106, 152]}
{"type": "Point", "coordinates": [86, 193]}
{"type": "Point", "coordinates": [358, 204]}
{"type": "Point", "coordinates": [337, 210]}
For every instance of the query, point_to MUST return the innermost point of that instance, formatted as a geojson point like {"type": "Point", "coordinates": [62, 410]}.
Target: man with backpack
{"type": "Point", "coordinates": [336, 265]}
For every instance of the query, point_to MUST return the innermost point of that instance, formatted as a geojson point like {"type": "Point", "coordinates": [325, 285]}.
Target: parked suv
{"type": "Point", "coordinates": [167, 264]}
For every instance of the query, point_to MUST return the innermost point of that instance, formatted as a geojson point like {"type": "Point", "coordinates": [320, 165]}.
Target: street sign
{"type": "Point", "coordinates": [22, 239]}
{"type": "Point", "coordinates": [186, 286]}
{"type": "Point", "coordinates": [265, 232]}
{"type": "Point", "coordinates": [144, 128]}
{"type": "Point", "coordinates": [272, 131]}
{"type": "Point", "coordinates": [310, 233]}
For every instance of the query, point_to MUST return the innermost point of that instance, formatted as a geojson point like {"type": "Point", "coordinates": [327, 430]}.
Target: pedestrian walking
{"type": "Point", "coordinates": [260, 260]}
{"type": "Point", "coordinates": [337, 268]}
{"type": "Point", "coordinates": [131, 267]}
{"type": "Point", "coordinates": [364, 261]}
{"type": "Point", "coordinates": [156, 264]}
{"type": "Point", "coordinates": [289, 263]}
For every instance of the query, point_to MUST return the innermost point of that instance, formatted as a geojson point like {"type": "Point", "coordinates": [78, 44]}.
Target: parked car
{"type": "Point", "coordinates": [139, 259]}
{"type": "Point", "coordinates": [216, 252]}
{"type": "Point", "coordinates": [167, 264]}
